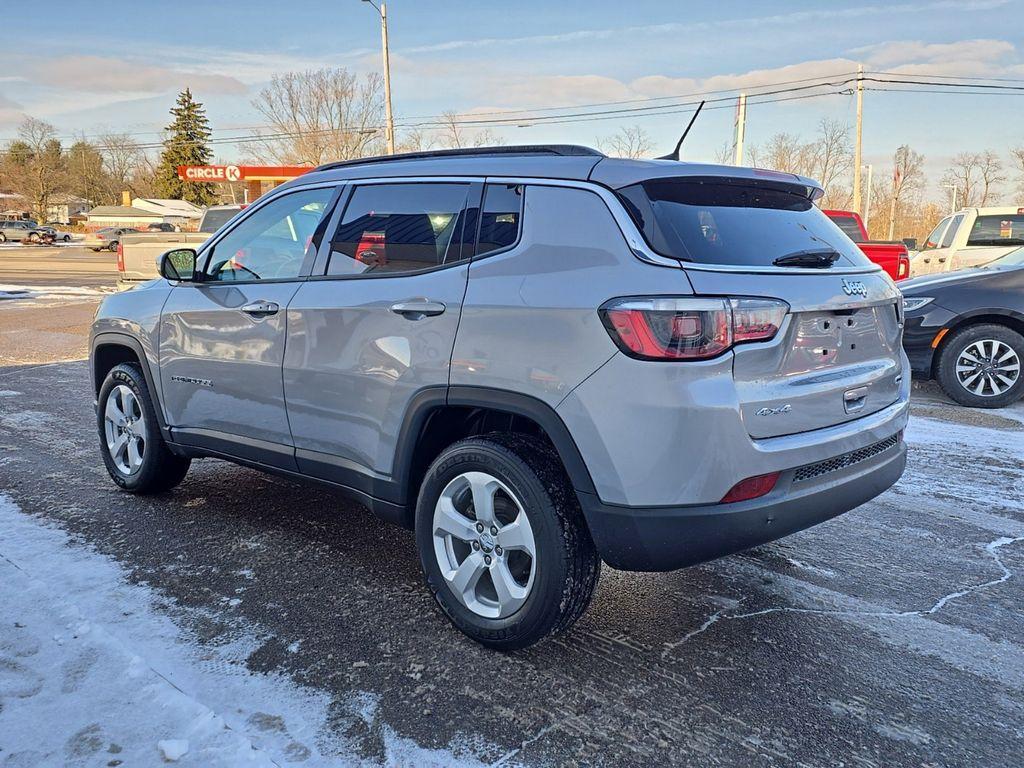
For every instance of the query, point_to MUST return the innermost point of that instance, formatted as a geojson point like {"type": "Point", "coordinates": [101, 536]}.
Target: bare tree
{"type": "Point", "coordinates": [1018, 158]}
{"type": "Point", "coordinates": [454, 133]}
{"type": "Point", "coordinates": [907, 179]}
{"type": "Point", "coordinates": [632, 142]}
{"type": "Point", "coordinates": [321, 115]}
{"type": "Point", "coordinates": [34, 164]}
{"type": "Point", "coordinates": [830, 157]}
{"type": "Point", "coordinates": [990, 170]}
{"type": "Point", "coordinates": [122, 158]}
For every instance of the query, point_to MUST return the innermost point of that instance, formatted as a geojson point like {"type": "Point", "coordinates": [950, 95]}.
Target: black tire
{"type": "Point", "coordinates": [112, 247]}
{"type": "Point", "coordinates": [66, 238]}
{"type": "Point", "coordinates": [160, 469]}
{"type": "Point", "coordinates": [567, 564]}
{"type": "Point", "coordinates": [33, 237]}
{"type": "Point", "coordinates": [954, 347]}
{"type": "Point", "coordinates": [3, 237]}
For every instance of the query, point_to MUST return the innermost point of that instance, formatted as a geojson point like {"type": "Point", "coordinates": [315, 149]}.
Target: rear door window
{"type": "Point", "coordinates": [1006, 229]}
{"type": "Point", "coordinates": [399, 229]}
{"type": "Point", "coordinates": [501, 217]}
{"type": "Point", "coordinates": [709, 220]}
{"type": "Point", "coordinates": [954, 225]}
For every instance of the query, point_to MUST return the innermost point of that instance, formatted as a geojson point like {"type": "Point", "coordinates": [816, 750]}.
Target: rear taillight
{"type": "Point", "coordinates": [689, 328]}
{"type": "Point", "coordinates": [751, 488]}
{"type": "Point", "coordinates": [903, 268]}
{"type": "Point", "coordinates": [120, 257]}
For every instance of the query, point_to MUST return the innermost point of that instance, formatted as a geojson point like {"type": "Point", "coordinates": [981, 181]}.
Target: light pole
{"type": "Point", "coordinates": [389, 131]}
{"type": "Point", "coordinates": [956, 192]}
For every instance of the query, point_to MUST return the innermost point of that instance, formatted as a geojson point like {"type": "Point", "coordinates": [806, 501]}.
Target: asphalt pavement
{"type": "Point", "coordinates": [891, 636]}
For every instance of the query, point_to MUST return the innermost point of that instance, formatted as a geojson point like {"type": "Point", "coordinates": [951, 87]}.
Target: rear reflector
{"type": "Point", "coordinates": [689, 328]}
{"type": "Point", "coordinates": [120, 257]}
{"type": "Point", "coordinates": [751, 488]}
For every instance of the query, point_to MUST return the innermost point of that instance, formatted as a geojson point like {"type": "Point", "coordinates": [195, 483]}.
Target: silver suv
{"type": "Point", "coordinates": [538, 358]}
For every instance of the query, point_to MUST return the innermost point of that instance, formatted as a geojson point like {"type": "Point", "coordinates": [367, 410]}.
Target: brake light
{"type": "Point", "coordinates": [903, 268]}
{"type": "Point", "coordinates": [120, 257]}
{"type": "Point", "coordinates": [689, 328]}
{"type": "Point", "coordinates": [751, 488]}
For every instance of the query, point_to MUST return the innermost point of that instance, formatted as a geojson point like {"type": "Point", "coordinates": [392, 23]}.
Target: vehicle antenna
{"type": "Point", "coordinates": [675, 152]}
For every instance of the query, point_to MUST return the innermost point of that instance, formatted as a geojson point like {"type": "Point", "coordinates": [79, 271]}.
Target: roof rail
{"type": "Point", "coordinates": [563, 150]}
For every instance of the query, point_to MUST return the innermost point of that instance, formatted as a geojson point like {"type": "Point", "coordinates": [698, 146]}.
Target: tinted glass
{"type": "Point", "coordinates": [1012, 259]}
{"type": "Point", "coordinates": [272, 242]}
{"type": "Point", "coordinates": [399, 228]}
{"type": "Point", "coordinates": [714, 222]}
{"type": "Point", "coordinates": [997, 230]}
{"type": "Point", "coordinates": [954, 225]}
{"type": "Point", "coordinates": [215, 219]}
{"type": "Point", "coordinates": [933, 238]}
{"type": "Point", "coordinates": [500, 220]}
{"type": "Point", "coordinates": [849, 226]}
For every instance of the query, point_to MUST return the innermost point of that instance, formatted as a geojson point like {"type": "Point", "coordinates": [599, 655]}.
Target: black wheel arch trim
{"type": "Point", "coordinates": [115, 339]}
{"type": "Point", "coordinates": [430, 398]}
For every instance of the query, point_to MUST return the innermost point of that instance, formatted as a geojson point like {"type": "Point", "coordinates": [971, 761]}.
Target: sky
{"type": "Point", "coordinates": [117, 65]}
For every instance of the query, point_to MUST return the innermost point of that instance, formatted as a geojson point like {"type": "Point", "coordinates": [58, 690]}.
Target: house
{"type": "Point", "coordinates": [120, 216]}
{"type": "Point", "coordinates": [177, 212]}
{"type": "Point", "coordinates": [63, 207]}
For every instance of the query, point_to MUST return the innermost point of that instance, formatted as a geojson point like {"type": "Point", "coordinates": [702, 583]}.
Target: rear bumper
{"type": "Point", "coordinates": [666, 538]}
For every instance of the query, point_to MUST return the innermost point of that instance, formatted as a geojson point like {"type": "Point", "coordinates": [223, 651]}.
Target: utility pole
{"type": "Point", "coordinates": [741, 124]}
{"type": "Point", "coordinates": [389, 129]}
{"type": "Point", "coordinates": [857, 154]}
{"type": "Point", "coordinates": [897, 178]}
{"type": "Point", "coordinates": [867, 199]}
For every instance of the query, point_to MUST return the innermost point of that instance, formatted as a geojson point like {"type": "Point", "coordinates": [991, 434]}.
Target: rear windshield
{"type": "Point", "coordinates": [725, 222]}
{"type": "Point", "coordinates": [849, 226]}
{"type": "Point", "coordinates": [216, 218]}
{"type": "Point", "coordinates": [997, 230]}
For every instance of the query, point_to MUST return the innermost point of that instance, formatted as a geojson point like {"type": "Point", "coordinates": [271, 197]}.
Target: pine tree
{"type": "Point", "coordinates": [187, 144]}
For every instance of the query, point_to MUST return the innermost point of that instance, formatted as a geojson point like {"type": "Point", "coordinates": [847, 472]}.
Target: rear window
{"type": "Point", "coordinates": [216, 218]}
{"type": "Point", "coordinates": [849, 226]}
{"type": "Point", "coordinates": [997, 230]}
{"type": "Point", "coordinates": [724, 222]}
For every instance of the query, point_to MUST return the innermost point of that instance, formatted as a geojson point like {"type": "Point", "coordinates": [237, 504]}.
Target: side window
{"type": "Point", "coordinates": [501, 217]}
{"type": "Point", "coordinates": [272, 242]}
{"type": "Point", "coordinates": [947, 239]}
{"type": "Point", "coordinates": [399, 229]}
{"type": "Point", "coordinates": [934, 237]}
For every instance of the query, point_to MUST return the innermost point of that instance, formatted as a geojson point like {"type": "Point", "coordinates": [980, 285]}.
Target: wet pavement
{"type": "Point", "coordinates": [891, 636]}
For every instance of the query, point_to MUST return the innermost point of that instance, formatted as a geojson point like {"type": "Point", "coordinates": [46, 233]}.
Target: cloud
{"type": "Point", "coordinates": [10, 111]}
{"type": "Point", "coordinates": [818, 15]}
{"type": "Point", "coordinates": [901, 52]}
{"type": "Point", "coordinates": [102, 74]}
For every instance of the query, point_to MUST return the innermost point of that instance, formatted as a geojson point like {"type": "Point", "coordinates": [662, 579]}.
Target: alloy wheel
{"type": "Point", "coordinates": [125, 429]}
{"type": "Point", "coordinates": [484, 545]}
{"type": "Point", "coordinates": [987, 367]}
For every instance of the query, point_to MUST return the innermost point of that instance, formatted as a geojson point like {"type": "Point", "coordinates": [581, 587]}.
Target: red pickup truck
{"type": "Point", "coordinates": [892, 257]}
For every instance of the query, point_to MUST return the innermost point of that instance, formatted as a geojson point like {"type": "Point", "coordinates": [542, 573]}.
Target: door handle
{"type": "Point", "coordinates": [417, 310]}
{"type": "Point", "coordinates": [261, 308]}
{"type": "Point", "coordinates": [942, 260]}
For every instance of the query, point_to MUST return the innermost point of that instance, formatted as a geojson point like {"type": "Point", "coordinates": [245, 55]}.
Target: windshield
{"type": "Point", "coordinates": [215, 218]}
{"type": "Point", "coordinates": [1005, 229]}
{"type": "Point", "coordinates": [736, 222]}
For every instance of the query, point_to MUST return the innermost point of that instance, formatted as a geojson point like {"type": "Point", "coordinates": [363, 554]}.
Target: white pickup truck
{"type": "Point", "coordinates": [137, 254]}
{"type": "Point", "coordinates": [971, 237]}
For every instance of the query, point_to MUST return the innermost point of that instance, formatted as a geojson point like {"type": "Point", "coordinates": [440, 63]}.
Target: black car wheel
{"type": "Point", "coordinates": [112, 247]}
{"type": "Point", "coordinates": [33, 237]}
{"type": "Point", "coordinates": [502, 540]}
{"type": "Point", "coordinates": [980, 366]}
{"type": "Point", "coordinates": [3, 238]}
{"type": "Point", "coordinates": [66, 238]}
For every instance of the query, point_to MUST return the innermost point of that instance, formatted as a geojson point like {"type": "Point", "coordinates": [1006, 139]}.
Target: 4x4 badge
{"type": "Point", "coordinates": [855, 288]}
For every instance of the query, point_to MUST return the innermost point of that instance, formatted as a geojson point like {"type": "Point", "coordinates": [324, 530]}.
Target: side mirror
{"type": "Point", "coordinates": [911, 243]}
{"type": "Point", "coordinates": [179, 264]}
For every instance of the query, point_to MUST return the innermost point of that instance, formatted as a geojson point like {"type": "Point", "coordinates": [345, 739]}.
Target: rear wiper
{"type": "Point", "coordinates": [820, 259]}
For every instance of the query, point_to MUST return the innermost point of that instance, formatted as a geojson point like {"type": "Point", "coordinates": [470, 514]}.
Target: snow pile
{"type": "Point", "coordinates": [92, 673]}
{"type": "Point", "coordinates": [50, 292]}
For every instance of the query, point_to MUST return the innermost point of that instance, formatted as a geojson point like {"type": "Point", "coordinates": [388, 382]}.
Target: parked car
{"type": "Point", "coordinates": [48, 235]}
{"type": "Point", "coordinates": [564, 358]}
{"type": "Point", "coordinates": [16, 230]}
{"type": "Point", "coordinates": [137, 255]}
{"type": "Point", "coordinates": [161, 226]}
{"type": "Point", "coordinates": [107, 238]}
{"type": "Point", "coordinates": [965, 329]}
{"type": "Point", "coordinates": [893, 257]}
{"type": "Point", "coordinates": [972, 237]}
